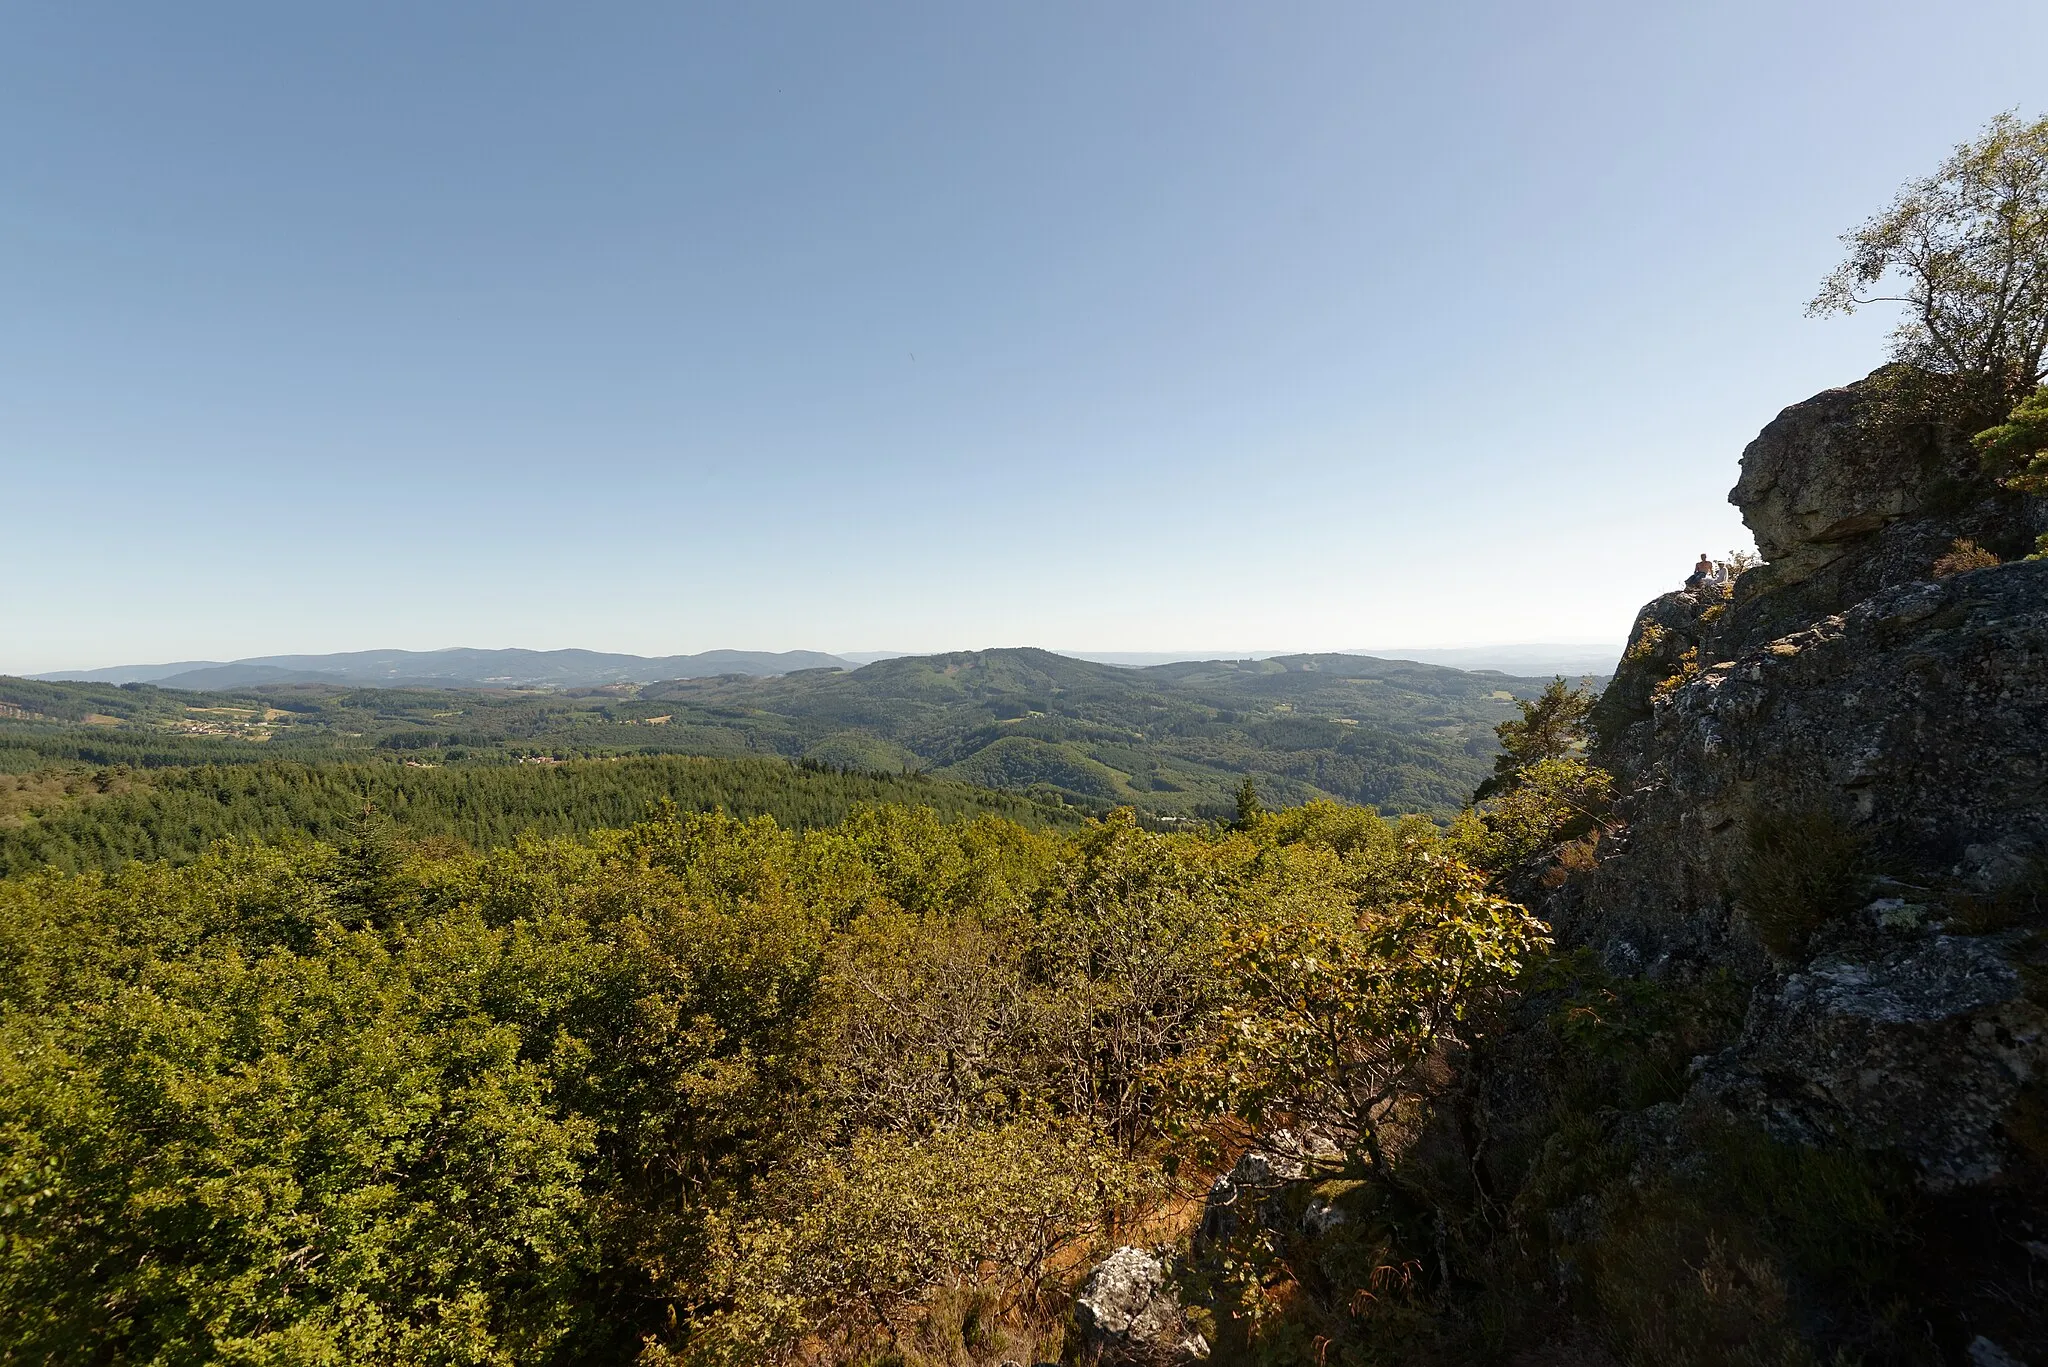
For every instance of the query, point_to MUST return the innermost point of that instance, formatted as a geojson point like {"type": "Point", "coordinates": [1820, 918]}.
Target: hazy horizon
{"type": "Point", "coordinates": [698, 328]}
{"type": "Point", "coordinates": [1573, 653]}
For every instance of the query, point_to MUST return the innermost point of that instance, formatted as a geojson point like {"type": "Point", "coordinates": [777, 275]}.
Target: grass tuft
{"type": "Point", "coordinates": [1799, 870]}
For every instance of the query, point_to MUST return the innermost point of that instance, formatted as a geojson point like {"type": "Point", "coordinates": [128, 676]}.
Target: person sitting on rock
{"type": "Point", "coordinates": [1702, 573]}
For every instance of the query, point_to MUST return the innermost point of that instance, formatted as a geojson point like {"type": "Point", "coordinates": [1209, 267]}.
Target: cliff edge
{"type": "Point", "coordinates": [1832, 790]}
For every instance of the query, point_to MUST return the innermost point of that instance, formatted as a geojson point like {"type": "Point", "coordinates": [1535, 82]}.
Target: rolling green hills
{"type": "Point", "coordinates": [1173, 740]}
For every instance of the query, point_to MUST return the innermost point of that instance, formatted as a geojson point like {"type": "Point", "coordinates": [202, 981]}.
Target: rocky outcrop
{"type": "Point", "coordinates": [1910, 1044]}
{"type": "Point", "coordinates": [1844, 504]}
{"type": "Point", "coordinates": [1129, 1312]}
{"type": "Point", "coordinates": [1916, 718]}
{"type": "Point", "coordinates": [1896, 723]}
{"type": "Point", "coordinates": [1842, 507]}
{"type": "Point", "coordinates": [1255, 1190]}
{"type": "Point", "coordinates": [1840, 677]}
{"type": "Point", "coordinates": [1816, 481]}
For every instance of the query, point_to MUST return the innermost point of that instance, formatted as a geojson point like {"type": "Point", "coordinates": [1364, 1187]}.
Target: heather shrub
{"type": "Point", "coordinates": [1962, 556]}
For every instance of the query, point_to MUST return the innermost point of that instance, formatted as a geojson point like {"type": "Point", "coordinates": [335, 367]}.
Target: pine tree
{"type": "Point", "coordinates": [1552, 726]}
{"type": "Point", "coordinates": [1249, 808]}
{"type": "Point", "coordinates": [366, 885]}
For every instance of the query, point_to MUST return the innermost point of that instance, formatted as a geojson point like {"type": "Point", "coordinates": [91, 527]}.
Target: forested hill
{"type": "Point", "coordinates": [78, 822]}
{"type": "Point", "coordinates": [1172, 739]}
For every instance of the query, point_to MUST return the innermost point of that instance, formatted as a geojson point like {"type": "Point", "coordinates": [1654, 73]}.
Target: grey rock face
{"type": "Point", "coordinates": [1918, 1048]}
{"type": "Point", "coordinates": [1813, 481]}
{"type": "Point", "coordinates": [1920, 716]}
{"type": "Point", "coordinates": [1129, 1312]}
{"type": "Point", "coordinates": [1844, 680]}
{"type": "Point", "coordinates": [1842, 509]}
{"type": "Point", "coordinates": [1918, 719]}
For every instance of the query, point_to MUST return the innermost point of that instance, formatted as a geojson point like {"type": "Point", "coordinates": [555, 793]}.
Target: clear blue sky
{"type": "Point", "coordinates": [664, 327]}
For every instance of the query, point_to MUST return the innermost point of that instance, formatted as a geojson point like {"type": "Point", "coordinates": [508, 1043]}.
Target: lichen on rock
{"type": "Point", "coordinates": [1129, 1312]}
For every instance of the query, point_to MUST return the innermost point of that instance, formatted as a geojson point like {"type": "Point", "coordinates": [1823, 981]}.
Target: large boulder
{"type": "Point", "coordinates": [1129, 1312]}
{"type": "Point", "coordinates": [1816, 480]}
{"type": "Point", "coordinates": [1844, 503]}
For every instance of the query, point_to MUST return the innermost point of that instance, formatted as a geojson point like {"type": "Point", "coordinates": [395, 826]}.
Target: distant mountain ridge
{"type": "Point", "coordinates": [1175, 740]}
{"type": "Point", "coordinates": [517, 668]}
{"type": "Point", "coordinates": [1523, 659]}
{"type": "Point", "coordinates": [457, 668]}
{"type": "Point", "coordinates": [1572, 659]}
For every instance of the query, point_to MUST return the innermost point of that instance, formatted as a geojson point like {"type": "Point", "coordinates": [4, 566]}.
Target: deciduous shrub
{"type": "Point", "coordinates": [846, 1242]}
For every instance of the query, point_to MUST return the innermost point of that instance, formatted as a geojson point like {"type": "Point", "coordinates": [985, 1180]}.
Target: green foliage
{"type": "Point", "coordinates": [177, 814]}
{"type": "Point", "coordinates": [1173, 739]}
{"type": "Point", "coordinates": [1552, 726]}
{"type": "Point", "coordinates": [1553, 803]}
{"type": "Point", "coordinates": [2016, 450]}
{"type": "Point", "coordinates": [1249, 808]}
{"type": "Point", "coordinates": [1543, 796]}
{"type": "Point", "coordinates": [1337, 1005]}
{"type": "Point", "coordinates": [706, 1088]}
{"type": "Point", "coordinates": [254, 1156]}
{"type": "Point", "coordinates": [842, 1240]}
{"type": "Point", "coordinates": [1021, 762]}
{"type": "Point", "coordinates": [1127, 929]}
{"type": "Point", "coordinates": [1688, 669]}
{"type": "Point", "coordinates": [1645, 645]}
{"type": "Point", "coordinates": [365, 878]}
{"type": "Point", "coordinates": [1799, 870]}
{"type": "Point", "coordinates": [857, 753]}
{"type": "Point", "coordinates": [1968, 248]}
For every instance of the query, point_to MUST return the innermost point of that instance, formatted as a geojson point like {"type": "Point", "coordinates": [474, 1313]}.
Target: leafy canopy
{"type": "Point", "coordinates": [1339, 1003]}
{"type": "Point", "coordinates": [704, 1089]}
{"type": "Point", "coordinates": [1966, 251]}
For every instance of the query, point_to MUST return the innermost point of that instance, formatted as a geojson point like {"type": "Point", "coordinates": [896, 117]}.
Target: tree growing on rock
{"type": "Point", "coordinates": [2016, 451]}
{"type": "Point", "coordinates": [1966, 251]}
